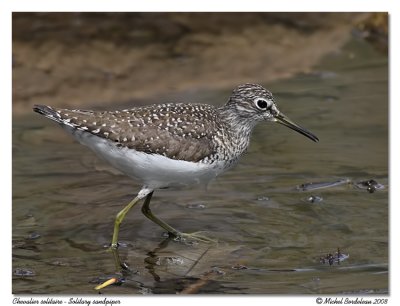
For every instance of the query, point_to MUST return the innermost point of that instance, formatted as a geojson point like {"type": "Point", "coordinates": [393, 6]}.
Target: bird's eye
{"type": "Point", "coordinates": [262, 104]}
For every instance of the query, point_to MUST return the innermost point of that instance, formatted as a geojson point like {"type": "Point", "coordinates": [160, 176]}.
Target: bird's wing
{"type": "Point", "coordinates": [177, 131]}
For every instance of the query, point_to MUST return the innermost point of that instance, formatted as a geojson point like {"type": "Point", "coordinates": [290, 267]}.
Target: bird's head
{"type": "Point", "coordinates": [253, 103]}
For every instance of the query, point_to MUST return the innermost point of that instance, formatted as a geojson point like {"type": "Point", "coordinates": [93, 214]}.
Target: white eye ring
{"type": "Point", "coordinates": [262, 104]}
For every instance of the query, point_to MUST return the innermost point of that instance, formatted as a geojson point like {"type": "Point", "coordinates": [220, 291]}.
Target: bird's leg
{"type": "Point", "coordinates": [118, 220]}
{"type": "Point", "coordinates": [177, 234]}
{"type": "Point", "coordinates": [147, 212]}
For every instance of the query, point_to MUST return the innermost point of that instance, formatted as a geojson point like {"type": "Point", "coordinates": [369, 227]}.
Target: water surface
{"type": "Point", "coordinates": [270, 236]}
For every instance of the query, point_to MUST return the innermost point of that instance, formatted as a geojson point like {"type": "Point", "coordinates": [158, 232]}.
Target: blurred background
{"type": "Point", "coordinates": [327, 71]}
{"type": "Point", "coordinates": [74, 59]}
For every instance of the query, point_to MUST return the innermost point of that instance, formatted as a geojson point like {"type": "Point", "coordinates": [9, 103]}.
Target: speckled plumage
{"type": "Point", "coordinates": [177, 131]}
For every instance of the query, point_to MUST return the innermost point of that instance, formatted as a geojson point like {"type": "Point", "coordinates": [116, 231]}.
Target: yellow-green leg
{"type": "Point", "coordinates": [177, 234]}
{"type": "Point", "coordinates": [147, 212]}
{"type": "Point", "coordinates": [118, 221]}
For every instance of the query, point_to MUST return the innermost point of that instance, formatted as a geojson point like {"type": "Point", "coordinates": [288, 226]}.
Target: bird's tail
{"type": "Point", "coordinates": [48, 112]}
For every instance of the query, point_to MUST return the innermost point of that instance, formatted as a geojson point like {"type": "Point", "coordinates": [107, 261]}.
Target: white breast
{"type": "Point", "coordinates": [152, 170]}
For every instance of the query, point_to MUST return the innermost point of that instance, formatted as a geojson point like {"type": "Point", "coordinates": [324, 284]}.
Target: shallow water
{"type": "Point", "coordinates": [271, 237]}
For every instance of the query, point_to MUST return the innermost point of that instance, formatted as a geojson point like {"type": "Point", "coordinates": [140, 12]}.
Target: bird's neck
{"type": "Point", "coordinates": [238, 121]}
{"type": "Point", "coordinates": [240, 127]}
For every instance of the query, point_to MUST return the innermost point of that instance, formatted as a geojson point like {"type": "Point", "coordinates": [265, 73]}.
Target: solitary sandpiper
{"type": "Point", "coordinates": [170, 145]}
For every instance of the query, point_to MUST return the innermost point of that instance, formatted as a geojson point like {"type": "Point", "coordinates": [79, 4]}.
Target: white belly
{"type": "Point", "coordinates": [152, 170]}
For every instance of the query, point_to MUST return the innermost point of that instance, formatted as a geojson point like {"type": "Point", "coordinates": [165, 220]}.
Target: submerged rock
{"type": "Point", "coordinates": [370, 185]}
{"type": "Point", "coordinates": [331, 259]}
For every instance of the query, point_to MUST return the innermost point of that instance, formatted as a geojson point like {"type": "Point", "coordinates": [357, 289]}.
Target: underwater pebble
{"type": "Point", "coordinates": [196, 206]}
{"type": "Point", "coordinates": [330, 258]}
{"type": "Point", "coordinates": [370, 185]}
{"type": "Point", "coordinates": [239, 267]}
{"type": "Point", "coordinates": [33, 236]}
{"type": "Point", "coordinates": [218, 271]}
{"type": "Point", "coordinates": [173, 260]}
{"type": "Point", "coordinates": [23, 272]}
{"type": "Point", "coordinates": [145, 291]}
{"type": "Point", "coordinates": [314, 199]}
{"type": "Point", "coordinates": [320, 185]}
